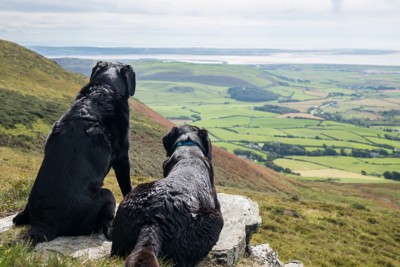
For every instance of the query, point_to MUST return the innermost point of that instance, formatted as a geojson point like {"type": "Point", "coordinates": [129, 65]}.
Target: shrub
{"type": "Point", "coordinates": [358, 206]}
{"type": "Point", "coordinates": [392, 175]}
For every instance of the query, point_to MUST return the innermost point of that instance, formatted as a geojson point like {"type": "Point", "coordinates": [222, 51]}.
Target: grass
{"type": "Point", "coordinates": [25, 120]}
{"type": "Point", "coordinates": [328, 230]}
{"type": "Point", "coordinates": [28, 73]}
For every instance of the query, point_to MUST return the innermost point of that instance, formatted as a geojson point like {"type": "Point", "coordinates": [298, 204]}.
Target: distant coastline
{"type": "Point", "coordinates": [229, 56]}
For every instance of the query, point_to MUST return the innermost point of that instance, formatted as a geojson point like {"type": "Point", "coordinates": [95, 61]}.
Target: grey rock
{"type": "Point", "coordinates": [6, 223]}
{"type": "Point", "coordinates": [85, 247]}
{"type": "Point", "coordinates": [241, 220]}
{"type": "Point", "coordinates": [267, 257]}
{"type": "Point", "coordinates": [294, 263]}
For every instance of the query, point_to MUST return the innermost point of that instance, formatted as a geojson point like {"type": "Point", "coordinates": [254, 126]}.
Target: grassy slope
{"type": "Point", "coordinates": [321, 224]}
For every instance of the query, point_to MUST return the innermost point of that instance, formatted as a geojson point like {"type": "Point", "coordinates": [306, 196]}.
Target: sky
{"type": "Point", "coordinates": [285, 24]}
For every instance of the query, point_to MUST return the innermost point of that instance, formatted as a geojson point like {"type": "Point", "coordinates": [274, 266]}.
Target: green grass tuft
{"type": "Point", "coordinates": [13, 194]}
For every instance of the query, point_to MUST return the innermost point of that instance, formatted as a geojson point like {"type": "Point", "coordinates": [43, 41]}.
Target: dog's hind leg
{"type": "Point", "coordinates": [147, 248]}
{"type": "Point", "coordinates": [97, 214]}
{"type": "Point", "coordinates": [197, 239]}
{"type": "Point", "coordinates": [22, 218]}
{"type": "Point", "coordinates": [107, 212]}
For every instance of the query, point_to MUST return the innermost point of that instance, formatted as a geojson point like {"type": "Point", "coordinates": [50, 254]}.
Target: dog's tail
{"type": "Point", "coordinates": [147, 248]}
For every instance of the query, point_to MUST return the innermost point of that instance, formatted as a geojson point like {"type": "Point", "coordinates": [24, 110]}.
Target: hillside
{"type": "Point", "coordinates": [29, 73]}
{"type": "Point", "coordinates": [319, 223]}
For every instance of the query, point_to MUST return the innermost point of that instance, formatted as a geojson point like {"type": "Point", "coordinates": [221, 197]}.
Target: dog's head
{"type": "Point", "coordinates": [119, 76]}
{"type": "Point", "coordinates": [187, 134]}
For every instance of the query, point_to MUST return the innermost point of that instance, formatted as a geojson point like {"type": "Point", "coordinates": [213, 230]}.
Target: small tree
{"type": "Point", "coordinates": [387, 175]}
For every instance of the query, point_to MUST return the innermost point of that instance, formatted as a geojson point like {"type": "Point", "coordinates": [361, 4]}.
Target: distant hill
{"type": "Point", "coordinates": [92, 51]}
{"type": "Point", "coordinates": [37, 92]}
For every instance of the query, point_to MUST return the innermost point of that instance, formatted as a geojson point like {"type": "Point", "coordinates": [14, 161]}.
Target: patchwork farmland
{"type": "Point", "coordinates": [315, 92]}
{"type": "Point", "coordinates": [351, 110]}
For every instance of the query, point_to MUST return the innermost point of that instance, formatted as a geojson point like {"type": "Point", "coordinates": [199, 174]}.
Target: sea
{"type": "Point", "coordinates": [389, 59]}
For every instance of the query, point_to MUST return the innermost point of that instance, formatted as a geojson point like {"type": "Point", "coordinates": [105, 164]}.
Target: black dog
{"type": "Point", "coordinates": [89, 139]}
{"type": "Point", "coordinates": [177, 217]}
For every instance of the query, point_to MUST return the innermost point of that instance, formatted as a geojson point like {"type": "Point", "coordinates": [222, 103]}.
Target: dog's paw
{"type": "Point", "coordinates": [21, 219]}
{"type": "Point", "coordinates": [38, 235]}
{"type": "Point", "coordinates": [107, 231]}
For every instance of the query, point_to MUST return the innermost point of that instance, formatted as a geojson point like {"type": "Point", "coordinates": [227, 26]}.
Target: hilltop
{"type": "Point", "coordinates": [319, 223]}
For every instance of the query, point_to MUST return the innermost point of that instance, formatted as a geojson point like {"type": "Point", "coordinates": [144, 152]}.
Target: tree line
{"type": "Point", "coordinates": [392, 175]}
{"type": "Point", "coordinates": [251, 94]}
{"type": "Point", "coordinates": [281, 150]}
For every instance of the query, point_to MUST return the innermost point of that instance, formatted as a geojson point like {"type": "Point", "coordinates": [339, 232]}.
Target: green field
{"type": "Point", "coordinates": [198, 94]}
{"type": "Point", "coordinates": [344, 168]}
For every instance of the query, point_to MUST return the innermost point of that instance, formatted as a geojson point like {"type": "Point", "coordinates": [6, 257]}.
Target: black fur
{"type": "Point", "coordinates": [177, 217]}
{"type": "Point", "coordinates": [67, 197]}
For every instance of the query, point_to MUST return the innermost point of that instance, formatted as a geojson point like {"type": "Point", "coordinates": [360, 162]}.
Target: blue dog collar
{"type": "Point", "coordinates": [185, 143]}
{"type": "Point", "coordinates": [188, 142]}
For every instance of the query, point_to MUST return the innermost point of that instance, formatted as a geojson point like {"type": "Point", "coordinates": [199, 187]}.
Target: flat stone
{"type": "Point", "coordinates": [93, 247]}
{"type": "Point", "coordinates": [6, 223]}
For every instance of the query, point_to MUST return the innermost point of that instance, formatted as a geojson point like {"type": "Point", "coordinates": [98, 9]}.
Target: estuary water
{"type": "Point", "coordinates": [389, 59]}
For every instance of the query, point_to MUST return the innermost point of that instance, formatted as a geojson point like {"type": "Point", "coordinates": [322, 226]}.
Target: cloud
{"type": "Point", "coordinates": [254, 23]}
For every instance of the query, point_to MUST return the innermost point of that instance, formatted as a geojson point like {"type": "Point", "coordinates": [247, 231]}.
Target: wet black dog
{"type": "Point", "coordinates": [177, 217]}
{"type": "Point", "coordinates": [89, 139]}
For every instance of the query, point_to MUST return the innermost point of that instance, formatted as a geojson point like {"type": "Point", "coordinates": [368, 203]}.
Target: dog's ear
{"type": "Point", "coordinates": [99, 65]}
{"type": "Point", "coordinates": [130, 79]}
{"type": "Point", "coordinates": [169, 140]}
{"type": "Point", "coordinates": [203, 134]}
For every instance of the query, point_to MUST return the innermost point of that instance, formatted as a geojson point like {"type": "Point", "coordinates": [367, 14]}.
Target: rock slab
{"type": "Point", "coordinates": [6, 223]}
{"type": "Point", "coordinates": [87, 247]}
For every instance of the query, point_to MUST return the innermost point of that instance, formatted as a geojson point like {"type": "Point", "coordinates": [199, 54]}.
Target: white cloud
{"type": "Point", "coordinates": [170, 6]}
